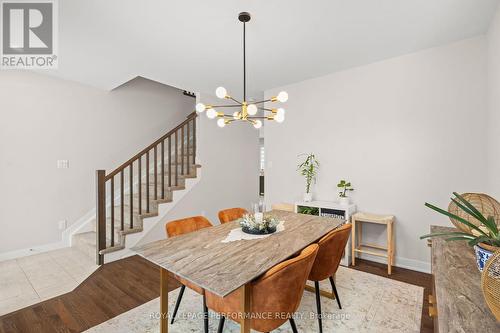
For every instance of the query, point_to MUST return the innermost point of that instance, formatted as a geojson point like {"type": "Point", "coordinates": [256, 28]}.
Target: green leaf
{"type": "Point", "coordinates": [479, 239]}
{"type": "Point", "coordinates": [458, 218]}
{"type": "Point", "coordinates": [489, 224]}
{"type": "Point", "coordinates": [471, 207]}
{"type": "Point", "coordinates": [493, 224]}
{"type": "Point", "coordinates": [456, 238]}
{"type": "Point", "coordinates": [467, 210]}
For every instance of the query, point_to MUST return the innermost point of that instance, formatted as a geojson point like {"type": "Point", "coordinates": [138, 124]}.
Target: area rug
{"type": "Point", "coordinates": [370, 303]}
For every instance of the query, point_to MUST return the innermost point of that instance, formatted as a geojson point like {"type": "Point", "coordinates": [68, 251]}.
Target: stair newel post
{"type": "Point", "coordinates": [100, 215]}
{"type": "Point", "coordinates": [147, 182]}
{"type": "Point", "coordinates": [139, 181]}
{"type": "Point", "coordinates": [112, 206]}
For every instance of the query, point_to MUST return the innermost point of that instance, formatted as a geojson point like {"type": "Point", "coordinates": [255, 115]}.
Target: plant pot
{"type": "Point", "coordinates": [483, 253]}
{"type": "Point", "coordinates": [308, 197]}
{"type": "Point", "coordinates": [344, 201]}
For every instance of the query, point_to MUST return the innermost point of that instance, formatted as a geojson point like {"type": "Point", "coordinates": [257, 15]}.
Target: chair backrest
{"type": "Point", "coordinates": [186, 225]}
{"type": "Point", "coordinates": [287, 207]}
{"type": "Point", "coordinates": [280, 290]}
{"type": "Point", "coordinates": [231, 214]}
{"type": "Point", "coordinates": [331, 250]}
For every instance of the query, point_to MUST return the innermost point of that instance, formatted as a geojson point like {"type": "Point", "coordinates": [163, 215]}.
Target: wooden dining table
{"type": "Point", "coordinates": [221, 268]}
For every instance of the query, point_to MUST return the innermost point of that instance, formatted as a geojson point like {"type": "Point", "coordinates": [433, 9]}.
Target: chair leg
{"type": "Point", "coordinates": [205, 315]}
{"type": "Point", "coordinates": [335, 292]}
{"type": "Point", "coordinates": [318, 305]}
{"type": "Point", "coordinates": [221, 324]}
{"type": "Point", "coordinates": [177, 303]}
{"type": "Point", "coordinates": [294, 327]}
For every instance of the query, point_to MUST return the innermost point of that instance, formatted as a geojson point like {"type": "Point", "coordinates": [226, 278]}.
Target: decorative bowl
{"type": "Point", "coordinates": [250, 231]}
{"type": "Point", "coordinates": [262, 225]}
{"type": "Point", "coordinates": [482, 256]}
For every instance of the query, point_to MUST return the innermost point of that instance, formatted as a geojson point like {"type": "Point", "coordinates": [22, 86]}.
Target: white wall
{"type": "Point", "coordinates": [405, 131]}
{"type": "Point", "coordinates": [229, 158]}
{"type": "Point", "coordinates": [494, 105]}
{"type": "Point", "coordinates": [44, 119]}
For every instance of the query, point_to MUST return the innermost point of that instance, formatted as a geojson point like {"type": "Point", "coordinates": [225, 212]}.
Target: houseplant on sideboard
{"type": "Point", "coordinates": [344, 186]}
{"type": "Point", "coordinates": [484, 237]}
{"type": "Point", "coordinates": [309, 169]}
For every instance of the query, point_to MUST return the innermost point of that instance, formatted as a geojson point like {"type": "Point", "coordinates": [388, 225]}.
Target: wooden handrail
{"type": "Point", "coordinates": [188, 159]}
{"type": "Point", "coordinates": [148, 148]}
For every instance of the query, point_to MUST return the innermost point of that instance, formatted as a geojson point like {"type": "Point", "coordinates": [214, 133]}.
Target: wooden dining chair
{"type": "Point", "coordinates": [181, 227]}
{"type": "Point", "coordinates": [331, 250]}
{"type": "Point", "coordinates": [277, 292]}
{"type": "Point", "coordinates": [231, 214]}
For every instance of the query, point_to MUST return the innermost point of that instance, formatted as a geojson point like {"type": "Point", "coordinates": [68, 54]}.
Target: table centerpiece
{"type": "Point", "coordinates": [258, 224]}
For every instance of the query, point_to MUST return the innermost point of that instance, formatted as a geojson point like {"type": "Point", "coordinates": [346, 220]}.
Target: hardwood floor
{"type": "Point", "coordinates": [122, 285]}
{"type": "Point", "coordinates": [111, 290]}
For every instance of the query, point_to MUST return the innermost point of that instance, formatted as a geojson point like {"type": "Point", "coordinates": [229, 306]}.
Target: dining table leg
{"type": "Point", "coordinates": [163, 300]}
{"type": "Point", "coordinates": [245, 307]}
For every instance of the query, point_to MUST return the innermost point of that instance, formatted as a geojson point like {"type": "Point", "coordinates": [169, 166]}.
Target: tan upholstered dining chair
{"type": "Point", "coordinates": [231, 214]}
{"type": "Point", "coordinates": [277, 292]}
{"type": "Point", "coordinates": [331, 250]}
{"type": "Point", "coordinates": [181, 227]}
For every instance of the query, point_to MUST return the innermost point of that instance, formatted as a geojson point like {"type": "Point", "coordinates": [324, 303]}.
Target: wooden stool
{"type": "Point", "coordinates": [388, 220]}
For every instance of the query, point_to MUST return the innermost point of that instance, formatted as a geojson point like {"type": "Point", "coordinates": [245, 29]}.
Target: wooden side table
{"type": "Point", "coordinates": [380, 251]}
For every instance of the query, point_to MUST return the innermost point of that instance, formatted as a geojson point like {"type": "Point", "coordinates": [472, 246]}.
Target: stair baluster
{"type": "Point", "coordinates": [186, 133]}
{"type": "Point", "coordinates": [112, 191]}
{"type": "Point", "coordinates": [182, 150]}
{"type": "Point", "coordinates": [163, 169]}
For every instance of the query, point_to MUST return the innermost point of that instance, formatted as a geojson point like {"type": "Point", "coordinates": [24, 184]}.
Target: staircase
{"type": "Point", "coordinates": [134, 192]}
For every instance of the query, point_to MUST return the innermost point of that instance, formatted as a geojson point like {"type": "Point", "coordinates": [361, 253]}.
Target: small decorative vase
{"type": "Point", "coordinates": [344, 201]}
{"type": "Point", "coordinates": [308, 197]}
{"type": "Point", "coordinates": [482, 255]}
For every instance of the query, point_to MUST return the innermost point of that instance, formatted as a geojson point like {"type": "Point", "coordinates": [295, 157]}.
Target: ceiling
{"type": "Point", "coordinates": [197, 45]}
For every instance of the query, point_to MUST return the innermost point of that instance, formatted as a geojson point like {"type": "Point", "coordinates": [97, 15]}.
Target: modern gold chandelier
{"type": "Point", "coordinates": [247, 111]}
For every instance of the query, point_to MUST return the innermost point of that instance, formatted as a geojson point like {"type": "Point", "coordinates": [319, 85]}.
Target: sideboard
{"type": "Point", "coordinates": [456, 301]}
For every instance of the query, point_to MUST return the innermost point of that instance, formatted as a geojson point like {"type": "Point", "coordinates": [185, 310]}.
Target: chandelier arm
{"type": "Point", "coordinates": [226, 106]}
{"type": "Point", "coordinates": [265, 109]}
{"type": "Point", "coordinates": [256, 117]}
{"type": "Point", "coordinates": [235, 100]}
{"type": "Point", "coordinates": [264, 101]}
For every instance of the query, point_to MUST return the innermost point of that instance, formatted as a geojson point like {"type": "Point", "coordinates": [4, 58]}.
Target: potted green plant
{"type": "Point", "coordinates": [309, 169]}
{"type": "Point", "coordinates": [344, 186]}
{"type": "Point", "coordinates": [485, 237]}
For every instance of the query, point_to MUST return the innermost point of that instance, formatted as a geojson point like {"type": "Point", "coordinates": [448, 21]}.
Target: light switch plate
{"type": "Point", "coordinates": [63, 164]}
{"type": "Point", "coordinates": [62, 224]}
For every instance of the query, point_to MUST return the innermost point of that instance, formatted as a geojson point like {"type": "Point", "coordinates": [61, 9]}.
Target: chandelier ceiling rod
{"type": "Point", "coordinates": [244, 17]}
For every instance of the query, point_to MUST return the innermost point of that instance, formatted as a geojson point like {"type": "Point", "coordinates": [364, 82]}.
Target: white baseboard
{"type": "Point", "coordinates": [414, 265]}
{"type": "Point", "coordinates": [32, 250]}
